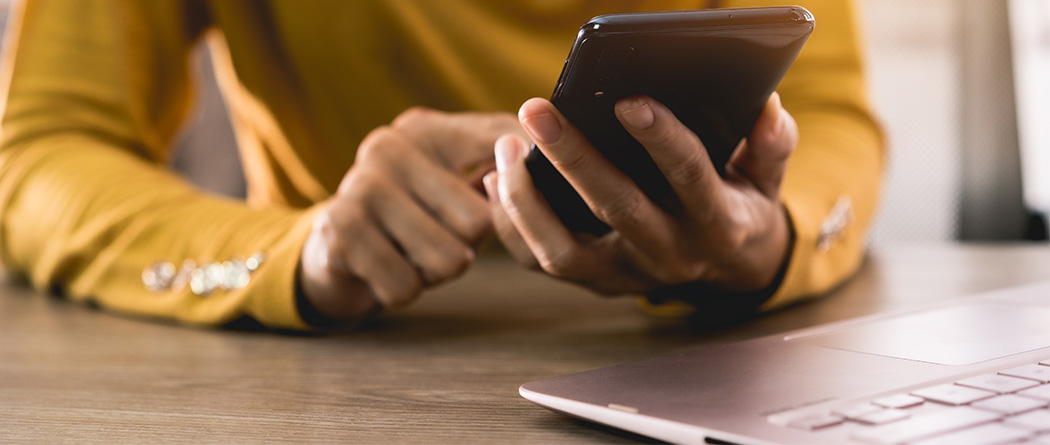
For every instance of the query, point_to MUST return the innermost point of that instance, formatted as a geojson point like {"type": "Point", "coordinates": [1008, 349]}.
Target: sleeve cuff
{"type": "Point", "coordinates": [273, 299]}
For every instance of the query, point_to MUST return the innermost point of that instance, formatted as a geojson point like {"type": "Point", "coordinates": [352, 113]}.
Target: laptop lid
{"type": "Point", "coordinates": [766, 390]}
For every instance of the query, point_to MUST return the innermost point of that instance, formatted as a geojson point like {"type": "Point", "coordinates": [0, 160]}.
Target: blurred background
{"type": "Point", "coordinates": [962, 88]}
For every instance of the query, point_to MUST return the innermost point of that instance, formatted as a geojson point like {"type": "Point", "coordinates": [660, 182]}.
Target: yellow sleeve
{"type": "Point", "coordinates": [96, 91]}
{"type": "Point", "coordinates": [832, 184]}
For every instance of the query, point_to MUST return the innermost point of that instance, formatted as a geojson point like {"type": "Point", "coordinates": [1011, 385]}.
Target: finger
{"type": "Point", "coordinates": [462, 142]}
{"type": "Point", "coordinates": [377, 262]}
{"type": "Point", "coordinates": [612, 195]}
{"type": "Point", "coordinates": [677, 152]}
{"type": "Point", "coordinates": [555, 249]}
{"type": "Point", "coordinates": [438, 254]}
{"type": "Point", "coordinates": [764, 157]}
{"type": "Point", "coordinates": [505, 230]}
{"type": "Point", "coordinates": [476, 178]}
{"type": "Point", "coordinates": [452, 200]}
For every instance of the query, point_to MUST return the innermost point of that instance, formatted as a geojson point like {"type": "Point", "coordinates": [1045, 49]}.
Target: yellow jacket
{"type": "Point", "coordinates": [98, 89]}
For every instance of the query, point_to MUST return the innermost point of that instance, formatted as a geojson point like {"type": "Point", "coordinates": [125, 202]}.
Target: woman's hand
{"type": "Point", "coordinates": [730, 232]}
{"type": "Point", "coordinates": [406, 215]}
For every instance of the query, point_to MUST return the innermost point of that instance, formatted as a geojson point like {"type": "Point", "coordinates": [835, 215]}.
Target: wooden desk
{"type": "Point", "coordinates": [445, 370]}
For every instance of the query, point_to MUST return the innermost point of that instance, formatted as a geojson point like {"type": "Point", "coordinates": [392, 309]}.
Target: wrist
{"type": "Point", "coordinates": [739, 293]}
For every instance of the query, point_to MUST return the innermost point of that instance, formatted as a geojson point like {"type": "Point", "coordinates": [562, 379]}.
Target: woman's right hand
{"type": "Point", "coordinates": [406, 216]}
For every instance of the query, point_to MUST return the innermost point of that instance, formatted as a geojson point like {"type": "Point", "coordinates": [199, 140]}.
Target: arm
{"type": "Point", "coordinates": [97, 91]}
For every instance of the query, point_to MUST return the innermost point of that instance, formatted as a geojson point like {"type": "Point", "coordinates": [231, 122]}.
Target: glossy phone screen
{"type": "Point", "coordinates": [714, 69]}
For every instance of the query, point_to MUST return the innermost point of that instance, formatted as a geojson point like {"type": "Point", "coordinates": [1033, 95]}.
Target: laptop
{"type": "Point", "coordinates": [976, 370]}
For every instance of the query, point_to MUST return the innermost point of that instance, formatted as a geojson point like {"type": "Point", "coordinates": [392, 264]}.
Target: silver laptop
{"type": "Point", "coordinates": [976, 370]}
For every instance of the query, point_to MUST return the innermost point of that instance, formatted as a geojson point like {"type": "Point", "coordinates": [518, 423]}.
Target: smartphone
{"type": "Point", "coordinates": [715, 69]}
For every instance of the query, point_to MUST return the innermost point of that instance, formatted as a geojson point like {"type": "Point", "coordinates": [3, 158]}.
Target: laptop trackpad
{"type": "Point", "coordinates": [957, 335]}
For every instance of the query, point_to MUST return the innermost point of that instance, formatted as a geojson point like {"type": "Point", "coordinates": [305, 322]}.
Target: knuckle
{"type": "Point", "coordinates": [412, 117]}
{"type": "Point", "coordinates": [734, 239]}
{"type": "Point", "coordinates": [477, 229]}
{"type": "Point", "coordinates": [475, 224]}
{"type": "Point", "coordinates": [499, 123]}
{"type": "Point", "coordinates": [664, 135]}
{"type": "Point", "coordinates": [623, 211]}
{"type": "Point", "coordinates": [732, 232]}
{"type": "Point", "coordinates": [512, 197]}
{"type": "Point", "coordinates": [409, 288]}
{"type": "Point", "coordinates": [451, 264]}
{"type": "Point", "coordinates": [560, 262]}
{"type": "Point", "coordinates": [324, 224]}
{"type": "Point", "coordinates": [371, 145]}
{"type": "Point", "coordinates": [728, 243]}
{"type": "Point", "coordinates": [332, 234]}
{"type": "Point", "coordinates": [363, 188]}
{"type": "Point", "coordinates": [461, 262]}
{"type": "Point", "coordinates": [686, 173]}
{"type": "Point", "coordinates": [331, 222]}
{"type": "Point", "coordinates": [352, 183]}
{"type": "Point", "coordinates": [571, 160]}
{"type": "Point", "coordinates": [401, 291]}
{"type": "Point", "coordinates": [333, 260]}
{"type": "Point", "coordinates": [326, 243]}
{"type": "Point", "coordinates": [468, 217]}
{"type": "Point", "coordinates": [384, 145]}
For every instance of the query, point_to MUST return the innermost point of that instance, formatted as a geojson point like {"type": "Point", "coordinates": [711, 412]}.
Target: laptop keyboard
{"type": "Point", "coordinates": [1010, 406]}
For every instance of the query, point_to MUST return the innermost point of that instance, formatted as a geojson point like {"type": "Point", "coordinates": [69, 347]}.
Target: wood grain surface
{"type": "Point", "coordinates": [445, 370]}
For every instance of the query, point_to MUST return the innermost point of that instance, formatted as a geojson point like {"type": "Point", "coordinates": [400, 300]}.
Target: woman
{"type": "Point", "coordinates": [358, 199]}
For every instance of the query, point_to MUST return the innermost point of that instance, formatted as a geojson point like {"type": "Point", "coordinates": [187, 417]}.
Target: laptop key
{"type": "Point", "coordinates": [899, 401]}
{"type": "Point", "coordinates": [987, 434]}
{"type": "Point", "coordinates": [817, 422]}
{"type": "Point", "coordinates": [855, 411]}
{"type": "Point", "coordinates": [1038, 420]}
{"type": "Point", "coordinates": [925, 426]}
{"type": "Point", "coordinates": [998, 383]}
{"type": "Point", "coordinates": [1039, 392]}
{"type": "Point", "coordinates": [953, 394]}
{"type": "Point", "coordinates": [883, 416]}
{"type": "Point", "coordinates": [1031, 372]}
{"type": "Point", "coordinates": [1010, 404]}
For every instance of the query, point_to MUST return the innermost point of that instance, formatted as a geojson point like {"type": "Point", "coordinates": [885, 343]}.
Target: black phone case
{"type": "Point", "coordinates": [714, 69]}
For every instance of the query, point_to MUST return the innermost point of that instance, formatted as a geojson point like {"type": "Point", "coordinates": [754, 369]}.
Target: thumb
{"type": "Point", "coordinates": [764, 157]}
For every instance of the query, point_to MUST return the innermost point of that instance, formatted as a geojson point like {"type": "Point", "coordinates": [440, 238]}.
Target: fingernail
{"type": "Point", "coordinates": [490, 185]}
{"type": "Point", "coordinates": [636, 113]}
{"type": "Point", "coordinates": [779, 124]}
{"type": "Point", "coordinates": [543, 127]}
{"type": "Point", "coordinates": [507, 152]}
